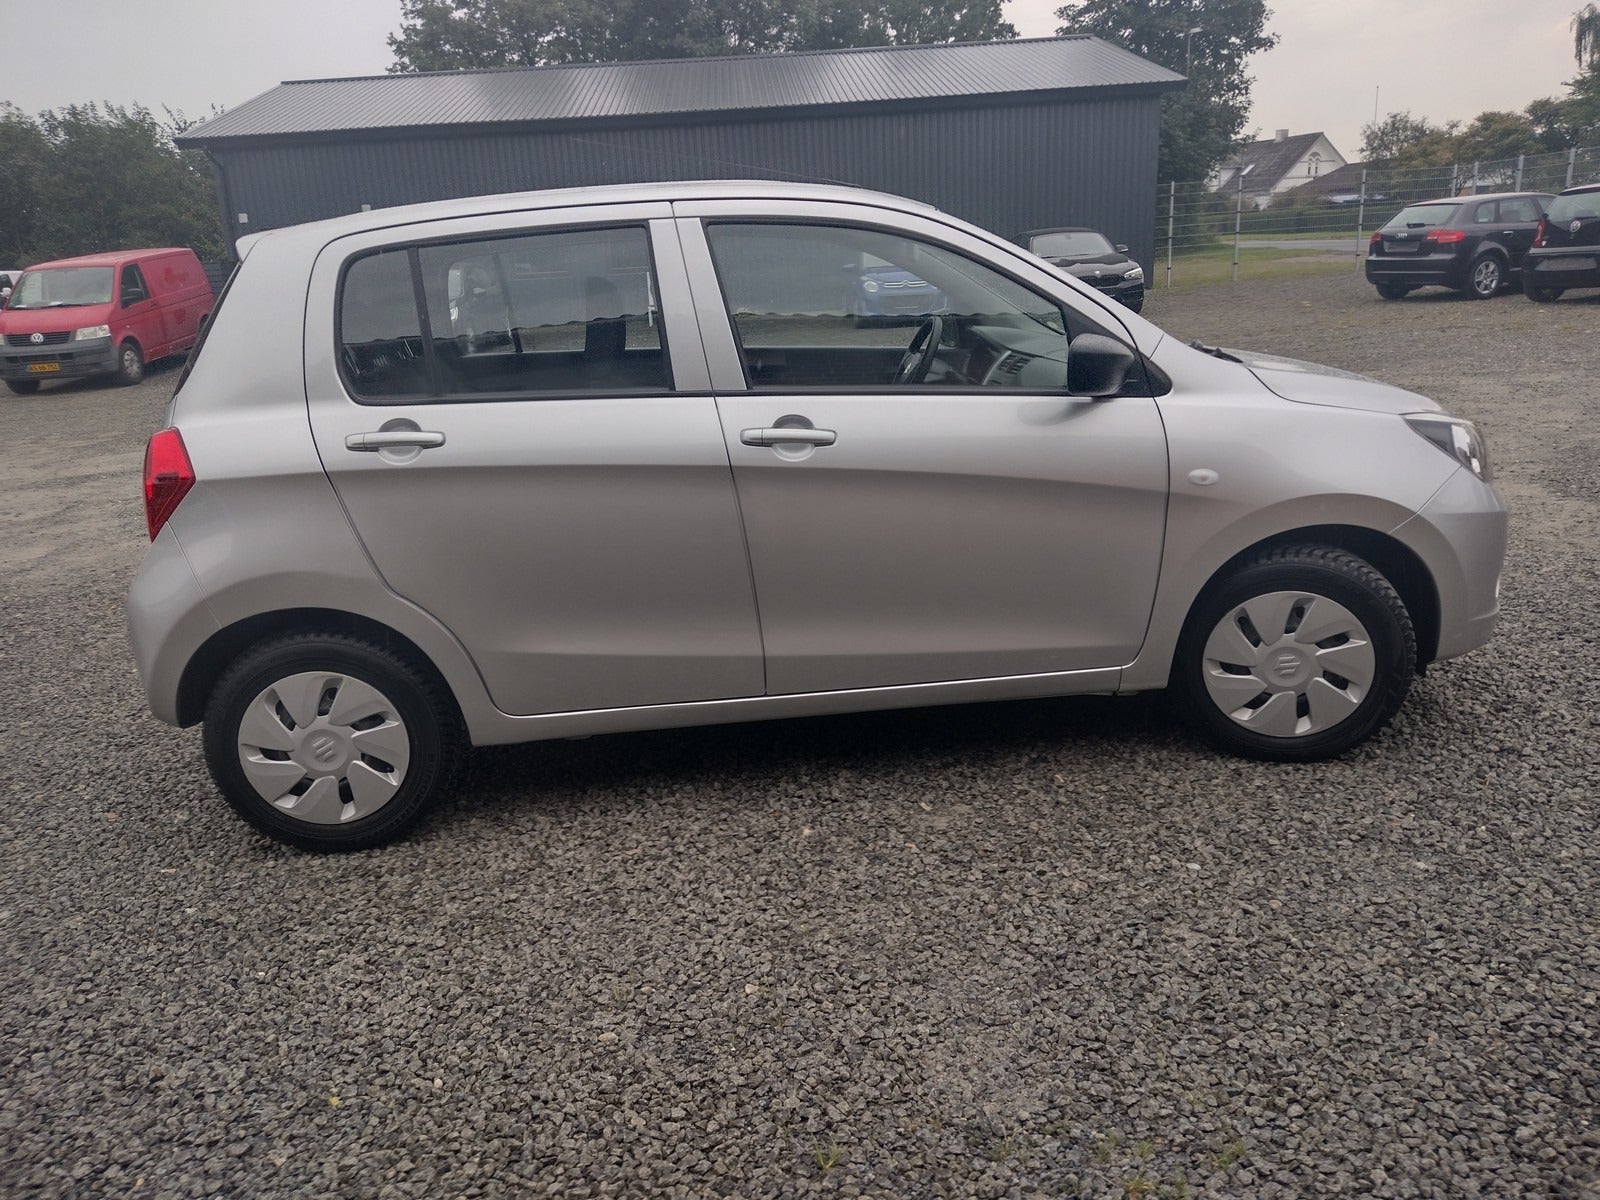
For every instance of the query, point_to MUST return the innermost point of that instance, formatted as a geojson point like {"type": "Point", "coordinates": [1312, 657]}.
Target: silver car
{"type": "Point", "coordinates": [555, 464]}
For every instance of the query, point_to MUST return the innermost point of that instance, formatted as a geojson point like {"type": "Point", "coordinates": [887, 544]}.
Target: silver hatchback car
{"type": "Point", "coordinates": [564, 463]}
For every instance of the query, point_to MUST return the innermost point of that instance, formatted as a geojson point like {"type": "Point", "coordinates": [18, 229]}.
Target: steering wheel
{"type": "Point", "coordinates": [918, 358]}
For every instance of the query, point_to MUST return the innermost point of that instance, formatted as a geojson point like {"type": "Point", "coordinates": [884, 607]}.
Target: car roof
{"type": "Point", "coordinates": [1582, 189]}
{"type": "Point", "coordinates": [1061, 229]}
{"type": "Point", "coordinates": [1484, 196]}
{"type": "Point", "coordinates": [110, 258]}
{"type": "Point", "coordinates": [618, 193]}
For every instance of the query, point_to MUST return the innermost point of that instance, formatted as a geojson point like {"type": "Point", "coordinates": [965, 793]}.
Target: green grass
{"type": "Point", "coordinates": [1213, 266]}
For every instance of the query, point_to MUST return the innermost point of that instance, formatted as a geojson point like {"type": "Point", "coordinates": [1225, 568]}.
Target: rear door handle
{"type": "Point", "coordinates": [391, 439]}
{"type": "Point", "coordinates": [787, 437]}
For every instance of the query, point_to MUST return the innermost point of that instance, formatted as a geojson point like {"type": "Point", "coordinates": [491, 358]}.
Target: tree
{"type": "Point", "coordinates": [1586, 35]}
{"type": "Point", "coordinates": [98, 178]}
{"type": "Point", "coordinates": [1200, 124]}
{"type": "Point", "coordinates": [444, 35]}
{"type": "Point", "coordinates": [1394, 137]}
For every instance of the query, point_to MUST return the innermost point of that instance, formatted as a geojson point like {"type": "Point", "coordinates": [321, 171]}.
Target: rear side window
{"type": "Point", "coordinates": [1524, 209]}
{"type": "Point", "coordinates": [546, 314]}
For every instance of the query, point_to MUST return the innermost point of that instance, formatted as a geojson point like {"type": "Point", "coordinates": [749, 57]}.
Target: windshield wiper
{"type": "Point", "coordinates": [1215, 351]}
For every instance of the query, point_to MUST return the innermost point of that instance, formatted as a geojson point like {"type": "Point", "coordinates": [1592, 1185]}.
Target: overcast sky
{"type": "Point", "coordinates": [1442, 59]}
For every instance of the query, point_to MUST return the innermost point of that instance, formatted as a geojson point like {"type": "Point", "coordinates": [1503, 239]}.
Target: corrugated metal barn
{"type": "Point", "coordinates": [1010, 135]}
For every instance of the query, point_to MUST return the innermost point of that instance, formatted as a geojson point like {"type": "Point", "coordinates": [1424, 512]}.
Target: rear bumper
{"type": "Point", "coordinates": [69, 360]}
{"type": "Point", "coordinates": [1562, 267]}
{"type": "Point", "coordinates": [1417, 272]}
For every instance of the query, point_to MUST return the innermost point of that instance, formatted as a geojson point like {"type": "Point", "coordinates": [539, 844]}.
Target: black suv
{"type": "Point", "coordinates": [1473, 244]}
{"type": "Point", "coordinates": [1090, 257]}
{"type": "Point", "coordinates": [1566, 249]}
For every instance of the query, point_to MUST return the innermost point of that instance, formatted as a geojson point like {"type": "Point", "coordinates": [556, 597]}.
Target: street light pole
{"type": "Point", "coordinates": [1188, 49]}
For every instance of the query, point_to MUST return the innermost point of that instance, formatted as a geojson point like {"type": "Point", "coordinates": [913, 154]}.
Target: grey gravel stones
{"type": "Point", "coordinates": [1002, 951]}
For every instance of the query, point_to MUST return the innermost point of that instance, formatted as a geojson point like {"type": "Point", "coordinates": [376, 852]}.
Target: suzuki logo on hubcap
{"type": "Point", "coordinates": [324, 748]}
{"type": "Point", "coordinates": [1287, 665]}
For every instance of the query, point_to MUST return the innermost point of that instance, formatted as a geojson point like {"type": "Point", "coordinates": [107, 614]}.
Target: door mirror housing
{"type": "Point", "coordinates": [1097, 365]}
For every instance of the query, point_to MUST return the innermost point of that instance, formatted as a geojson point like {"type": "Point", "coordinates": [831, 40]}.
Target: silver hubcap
{"type": "Point", "coordinates": [324, 747]}
{"type": "Point", "coordinates": [1289, 664]}
{"type": "Point", "coordinates": [1487, 276]}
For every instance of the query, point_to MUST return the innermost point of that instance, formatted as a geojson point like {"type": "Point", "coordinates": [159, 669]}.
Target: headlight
{"type": "Point", "coordinates": [869, 285]}
{"type": "Point", "coordinates": [1136, 273]}
{"type": "Point", "coordinates": [93, 331]}
{"type": "Point", "coordinates": [1457, 438]}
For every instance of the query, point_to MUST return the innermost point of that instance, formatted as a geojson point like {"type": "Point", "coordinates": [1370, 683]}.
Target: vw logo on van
{"type": "Point", "coordinates": [37, 339]}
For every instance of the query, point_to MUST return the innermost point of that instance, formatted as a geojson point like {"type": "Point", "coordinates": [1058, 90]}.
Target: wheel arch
{"type": "Point", "coordinates": [207, 664]}
{"type": "Point", "coordinates": [1394, 560]}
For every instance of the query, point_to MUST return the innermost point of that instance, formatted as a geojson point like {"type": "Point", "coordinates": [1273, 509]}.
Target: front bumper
{"type": "Point", "coordinates": [68, 360]}
{"type": "Point", "coordinates": [1461, 534]}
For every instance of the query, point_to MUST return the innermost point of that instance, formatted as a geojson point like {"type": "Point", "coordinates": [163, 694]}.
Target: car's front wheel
{"type": "Point", "coordinates": [1299, 655]}
{"type": "Point", "coordinates": [330, 742]}
{"type": "Point", "coordinates": [1544, 295]}
{"type": "Point", "coordinates": [23, 387]}
{"type": "Point", "coordinates": [1485, 278]}
{"type": "Point", "coordinates": [130, 364]}
{"type": "Point", "coordinates": [1392, 291]}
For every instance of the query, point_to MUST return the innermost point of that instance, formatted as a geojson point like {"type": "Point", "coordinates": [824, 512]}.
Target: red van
{"type": "Point", "coordinates": [101, 314]}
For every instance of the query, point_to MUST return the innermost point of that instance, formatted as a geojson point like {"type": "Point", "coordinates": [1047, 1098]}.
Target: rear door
{"type": "Point", "coordinates": [963, 520]}
{"type": "Point", "coordinates": [1517, 220]}
{"type": "Point", "coordinates": [515, 413]}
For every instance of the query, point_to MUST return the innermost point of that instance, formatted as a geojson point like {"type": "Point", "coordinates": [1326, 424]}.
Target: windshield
{"type": "Point", "coordinates": [1423, 216]}
{"type": "Point", "coordinates": [63, 287]}
{"type": "Point", "coordinates": [1575, 207]}
{"type": "Point", "coordinates": [1083, 243]}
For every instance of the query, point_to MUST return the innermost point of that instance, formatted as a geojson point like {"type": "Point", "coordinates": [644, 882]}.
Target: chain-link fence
{"type": "Point", "coordinates": [1206, 234]}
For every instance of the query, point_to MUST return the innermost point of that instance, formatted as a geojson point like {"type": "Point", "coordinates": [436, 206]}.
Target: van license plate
{"type": "Point", "coordinates": [44, 368]}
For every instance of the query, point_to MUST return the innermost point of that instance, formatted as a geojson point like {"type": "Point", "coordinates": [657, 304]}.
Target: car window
{"type": "Point", "coordinates": [565, 312]}
{"type": "Point", "coordinates": [1523, 209]}
{"type": "Point", "coordinates": [1574, 207]}
{"type": "Point", "coordinates": [1070, 243]}
{"type": "Point", "coordinates": [828, 306]}
{"type": "Point", "coordinates": [1422, 216]}
{"type": "Point", "coordinates": [133, 288]}
{"type": "Point", "coordinates": [64, 287]}
{"type": "Point", "coordinates": [1484, 213]}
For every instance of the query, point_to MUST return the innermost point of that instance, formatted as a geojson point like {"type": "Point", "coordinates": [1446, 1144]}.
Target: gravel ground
{"type": "Point", "coordinates": [1023, 950]}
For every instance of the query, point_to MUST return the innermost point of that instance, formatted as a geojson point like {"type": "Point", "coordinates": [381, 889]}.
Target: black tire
{"type": "Point", "coordinates": [417, 721]}
{"type": "Point", "coordinates": [130, 364]}
{"type": "Point", "coordinates": [23, 387]}
{"type": "Point", "coordinates": [1392, 291]}
{"type": "Point", "coordinates": [1296, 673]}
{"type": "Point", "coordinates": [1485, 277]}
{"type": "Point", "coordinates": [1543, 295]}
{"type": "Point", "coordinates": [1135, 305]}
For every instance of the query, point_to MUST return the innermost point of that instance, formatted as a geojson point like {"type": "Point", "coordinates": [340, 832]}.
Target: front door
{"type": "Point", "coordinates": [519, 457]}
{"type": "Point", "coordinates": [923, 499]}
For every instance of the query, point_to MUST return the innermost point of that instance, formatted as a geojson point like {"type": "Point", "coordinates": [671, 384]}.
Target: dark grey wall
{"type": "Point", "coordinates": [1005, 167]}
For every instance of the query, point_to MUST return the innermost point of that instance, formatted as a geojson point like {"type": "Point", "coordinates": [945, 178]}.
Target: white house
{"type": "Point", "coordinates": [1270, 168]}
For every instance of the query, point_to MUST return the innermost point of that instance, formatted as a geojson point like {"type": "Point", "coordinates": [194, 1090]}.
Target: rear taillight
{"type": "Point", "coordinates": [1446, 237]}
{"type": "Point", "coordinates": [1377, 238]}
{"type": "Point", "coordinates": [1540, 233]}
{"type": "Point", "coordinates": [168, 476]}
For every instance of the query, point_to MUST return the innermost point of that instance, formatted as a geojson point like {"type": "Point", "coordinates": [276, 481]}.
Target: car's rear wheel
{"type": "Point", "coordinates": [1544, 295]}
{"type": "Point", "coordinates": [1485, 278]}
{"type": "Point", "coordinates": [330, 742]}
{"type": "Point", "coordinates": [1299, 655]}
{"type": "Point", "coordinates": [23, 387]}
{"type": "Point", "coordinates": [1392, 291]}
{"type": "Point", "coordinates": [130, 364]}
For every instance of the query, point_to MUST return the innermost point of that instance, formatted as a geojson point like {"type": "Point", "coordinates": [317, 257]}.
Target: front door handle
{"type": "Point", "coordinates": [394, 439]}
{"type": "Point", "coordinates": [788, 437]}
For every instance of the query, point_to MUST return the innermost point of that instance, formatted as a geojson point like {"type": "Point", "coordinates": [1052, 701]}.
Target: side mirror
{"type": "Point", "coordinates": [1121, 248]}
{"type": "Point", "coordinates": [1097, 366]}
